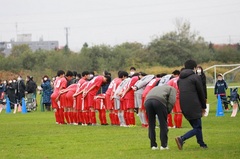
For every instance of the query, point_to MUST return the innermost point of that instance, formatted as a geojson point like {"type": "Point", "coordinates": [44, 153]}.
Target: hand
{"type": "Point", "coordinates": [134, 88]}
{"type": "Point", "coordinates": [203, 112]}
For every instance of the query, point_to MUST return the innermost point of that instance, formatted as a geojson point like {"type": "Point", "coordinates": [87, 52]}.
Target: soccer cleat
{"type": "Point", "coordinates": [179, 142]}
{"type": "Point", "coordinates": [154, 148]}
{"type": "Point", "coordinates": [164, 148]}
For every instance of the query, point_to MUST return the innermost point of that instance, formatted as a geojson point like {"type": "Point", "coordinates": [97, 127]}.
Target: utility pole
{"type": "Point", "coordinates": [66, 28]}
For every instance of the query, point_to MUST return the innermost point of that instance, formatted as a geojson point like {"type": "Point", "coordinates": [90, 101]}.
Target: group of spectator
{"type": "Point", "coordinates": [15, 90]}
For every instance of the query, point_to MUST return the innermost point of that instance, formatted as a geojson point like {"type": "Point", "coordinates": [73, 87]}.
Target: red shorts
{"type": "Point", "coordinates": [69, 97]}
{"type": "Point", "coordinates": [79, 101]}
{"type": "Point", "coordinates": [99, 104]}
{"type": "Point", "coordinates": [122, 104]}
{"type": "Point", "coordinates": [90, 101]}
{"type": "Point", "coordinates": [54, 103]}
{"type": "Point", "coordinates": [109, 102]}
{"type": "Point", "coordinates": [63, 100]}
{"type": "Point", "coordinates": [129, 103]}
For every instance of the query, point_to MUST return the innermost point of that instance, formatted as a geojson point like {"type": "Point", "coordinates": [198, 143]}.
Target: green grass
{"type": "Point", "coordinates": [36, 136]}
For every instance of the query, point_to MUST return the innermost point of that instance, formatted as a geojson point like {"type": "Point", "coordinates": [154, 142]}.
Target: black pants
{"type": "Point", "coordinates": [153, 108]}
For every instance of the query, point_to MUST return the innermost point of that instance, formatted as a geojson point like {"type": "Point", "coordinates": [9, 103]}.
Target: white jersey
{"type": "Point", "coordinates": [164, 79]}
{"type": "Point", "coordinates": [120, 87]}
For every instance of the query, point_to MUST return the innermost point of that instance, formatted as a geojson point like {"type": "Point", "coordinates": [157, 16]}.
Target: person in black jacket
{"type": "Point", "coordinates": [30, 86]}
{"type": "Point", "coordinates": [11, 94]}
{"type": "Point", "coordinates": [20, 90]}
{"type": "Point", "coordinates": [192, 103]}
{"type": "Point", "coordinates": [220, 89]}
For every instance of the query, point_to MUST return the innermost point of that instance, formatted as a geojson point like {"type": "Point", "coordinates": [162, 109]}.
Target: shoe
{"type": "Point", "coordinates": [155, 148]}
{"type": "Point", "coordinates": [179, 142]}
{"type": "Point", "coordinates": [164, 148]}
{"type": "Point", "coordinates": [204, 146]}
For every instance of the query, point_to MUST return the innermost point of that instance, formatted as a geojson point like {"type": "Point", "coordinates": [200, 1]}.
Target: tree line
{"type": "Point", "coordinates": [170, 49]}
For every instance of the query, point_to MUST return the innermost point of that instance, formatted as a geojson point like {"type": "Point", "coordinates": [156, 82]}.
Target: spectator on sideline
{"type": "Point", "coordinates": [220, 89]}
{"type": "Point", "coordinates": [46, 92]}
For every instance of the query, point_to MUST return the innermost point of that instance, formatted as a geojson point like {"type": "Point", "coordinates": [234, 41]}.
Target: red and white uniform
{"type": "Point", "coordinates": [96, 82]}
{"type": "Point", "coordinates": [129, 96]}
{"type": "Point", "coordinates": [58, 85]}
{"type": "Point", "coordinates": [80, 102]}
{"type": "Point", "coordinates": [176, 108]}
{"type": "Point", "coordinates": [149, 86]}
{"type": "Point", "coordinates": [110, 92]}
{"type": "Point", "coordinates": [69, 95]}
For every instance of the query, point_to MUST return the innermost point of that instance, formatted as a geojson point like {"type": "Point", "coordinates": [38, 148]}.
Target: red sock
{"type": "Point", "coordinates": [57, 116]}
{"type": "Point", "coordinates": [169, 119]}
{"type": "Point", "coordinates": [178, 120]}
{"type": "Point", "coordinates": [86, 117]}
{"type": "Point", "coordinates": [93, 117]}
{"type": "Point", "coordinates": [126, 117]}
{"type": "Point", "coordinates": [103, 116]}
{"type": "Point", "coordinates": [61, 115]}
{"type": "Point", "coordinates": [71, 117]}
{"type": "Point", "coordinates": [132, 118]}
{"type": "Point", "coordinates": [80, 117]}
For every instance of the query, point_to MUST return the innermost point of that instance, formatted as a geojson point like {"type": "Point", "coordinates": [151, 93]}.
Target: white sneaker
{"type": "Point", "coordinates": [155, 148]}
{"type": "Point", "coordinates": [164, 148]}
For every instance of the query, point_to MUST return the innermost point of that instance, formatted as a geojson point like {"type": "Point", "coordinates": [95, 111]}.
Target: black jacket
{"type": "Point", "coordinates": [31, 86]}
{"type": "Point", "coordinates": [192, 97]}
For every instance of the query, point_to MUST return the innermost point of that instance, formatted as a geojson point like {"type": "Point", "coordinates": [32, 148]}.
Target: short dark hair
{"type": "Point", "coordinates": [132, 68]}
{"type": "Point", "coordinates": [69, 73]}
{"type": "Point", "coordinates": [108, 78]}
{"type": "Point", "coordinates": [190, 64]}
{"type": "Point", "coordinates": [176, 72]}
{"type": "Point", "coordinates": [60, 72]}
{"type": "Point", "coordinates": [85, 73]}
{"type": "Point", "coordinates": [79, 75]}
{"type": "Point", "coordinates": [123, 74]}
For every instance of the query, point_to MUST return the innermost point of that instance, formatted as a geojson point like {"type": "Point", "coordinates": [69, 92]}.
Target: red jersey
{"type": "Point", "coordinates": [97, 82]}
{"type": "Point", "coordinates": [113, 86]}
{"type": "Point", "coordinates": [173, 83]}
{"type": "Point", "coordinates": [79, 84]}
{"type": "Point", "coordinates": [149, 86]}
{"type": "Point", "coordinates": [72, 87]}
{"type": "Point", "coordinates": [59, 84]}
{"type": "Point", "coordinates": [131, 83]}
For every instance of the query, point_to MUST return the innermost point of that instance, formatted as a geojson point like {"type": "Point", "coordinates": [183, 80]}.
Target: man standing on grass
{"type": "Point", "coordinates": [159, 101]}
{"type": "Point", "coordinates": [192, 103]}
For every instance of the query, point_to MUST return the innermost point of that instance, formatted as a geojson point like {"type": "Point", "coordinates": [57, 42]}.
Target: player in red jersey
{"type": "Point", "coordinates": [68, 106]}
{"type": "Point", "coordinates": [113, 113]}
{"type": "Point", "coordinates": [118, 101]}
{"type": "Point", "coordinates": [90, 91]}
{"type": "Point", "coordinates": [128, 97]}
{"type": "Point", "coordinates": [100, 105]}
{"type": "Point", "coordinates": [78, 104]}
{"type": "Point", "coordinates": [59, 84]}
{"type": "Point", "coordinates": [62, 95]}
{"type": "Point", "coordinates": [176, 109]}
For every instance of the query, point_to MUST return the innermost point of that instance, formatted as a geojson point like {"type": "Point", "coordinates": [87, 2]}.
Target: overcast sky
{"type": "Point", "coordinates": [116, 21]}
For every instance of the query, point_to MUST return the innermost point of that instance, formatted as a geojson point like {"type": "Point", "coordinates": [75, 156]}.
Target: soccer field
{"type": "Point", "coordinates": [36, 136]}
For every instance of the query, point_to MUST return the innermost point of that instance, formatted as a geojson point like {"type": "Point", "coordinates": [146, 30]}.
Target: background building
{"type": "Point", "coordinates": [6, 47]}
